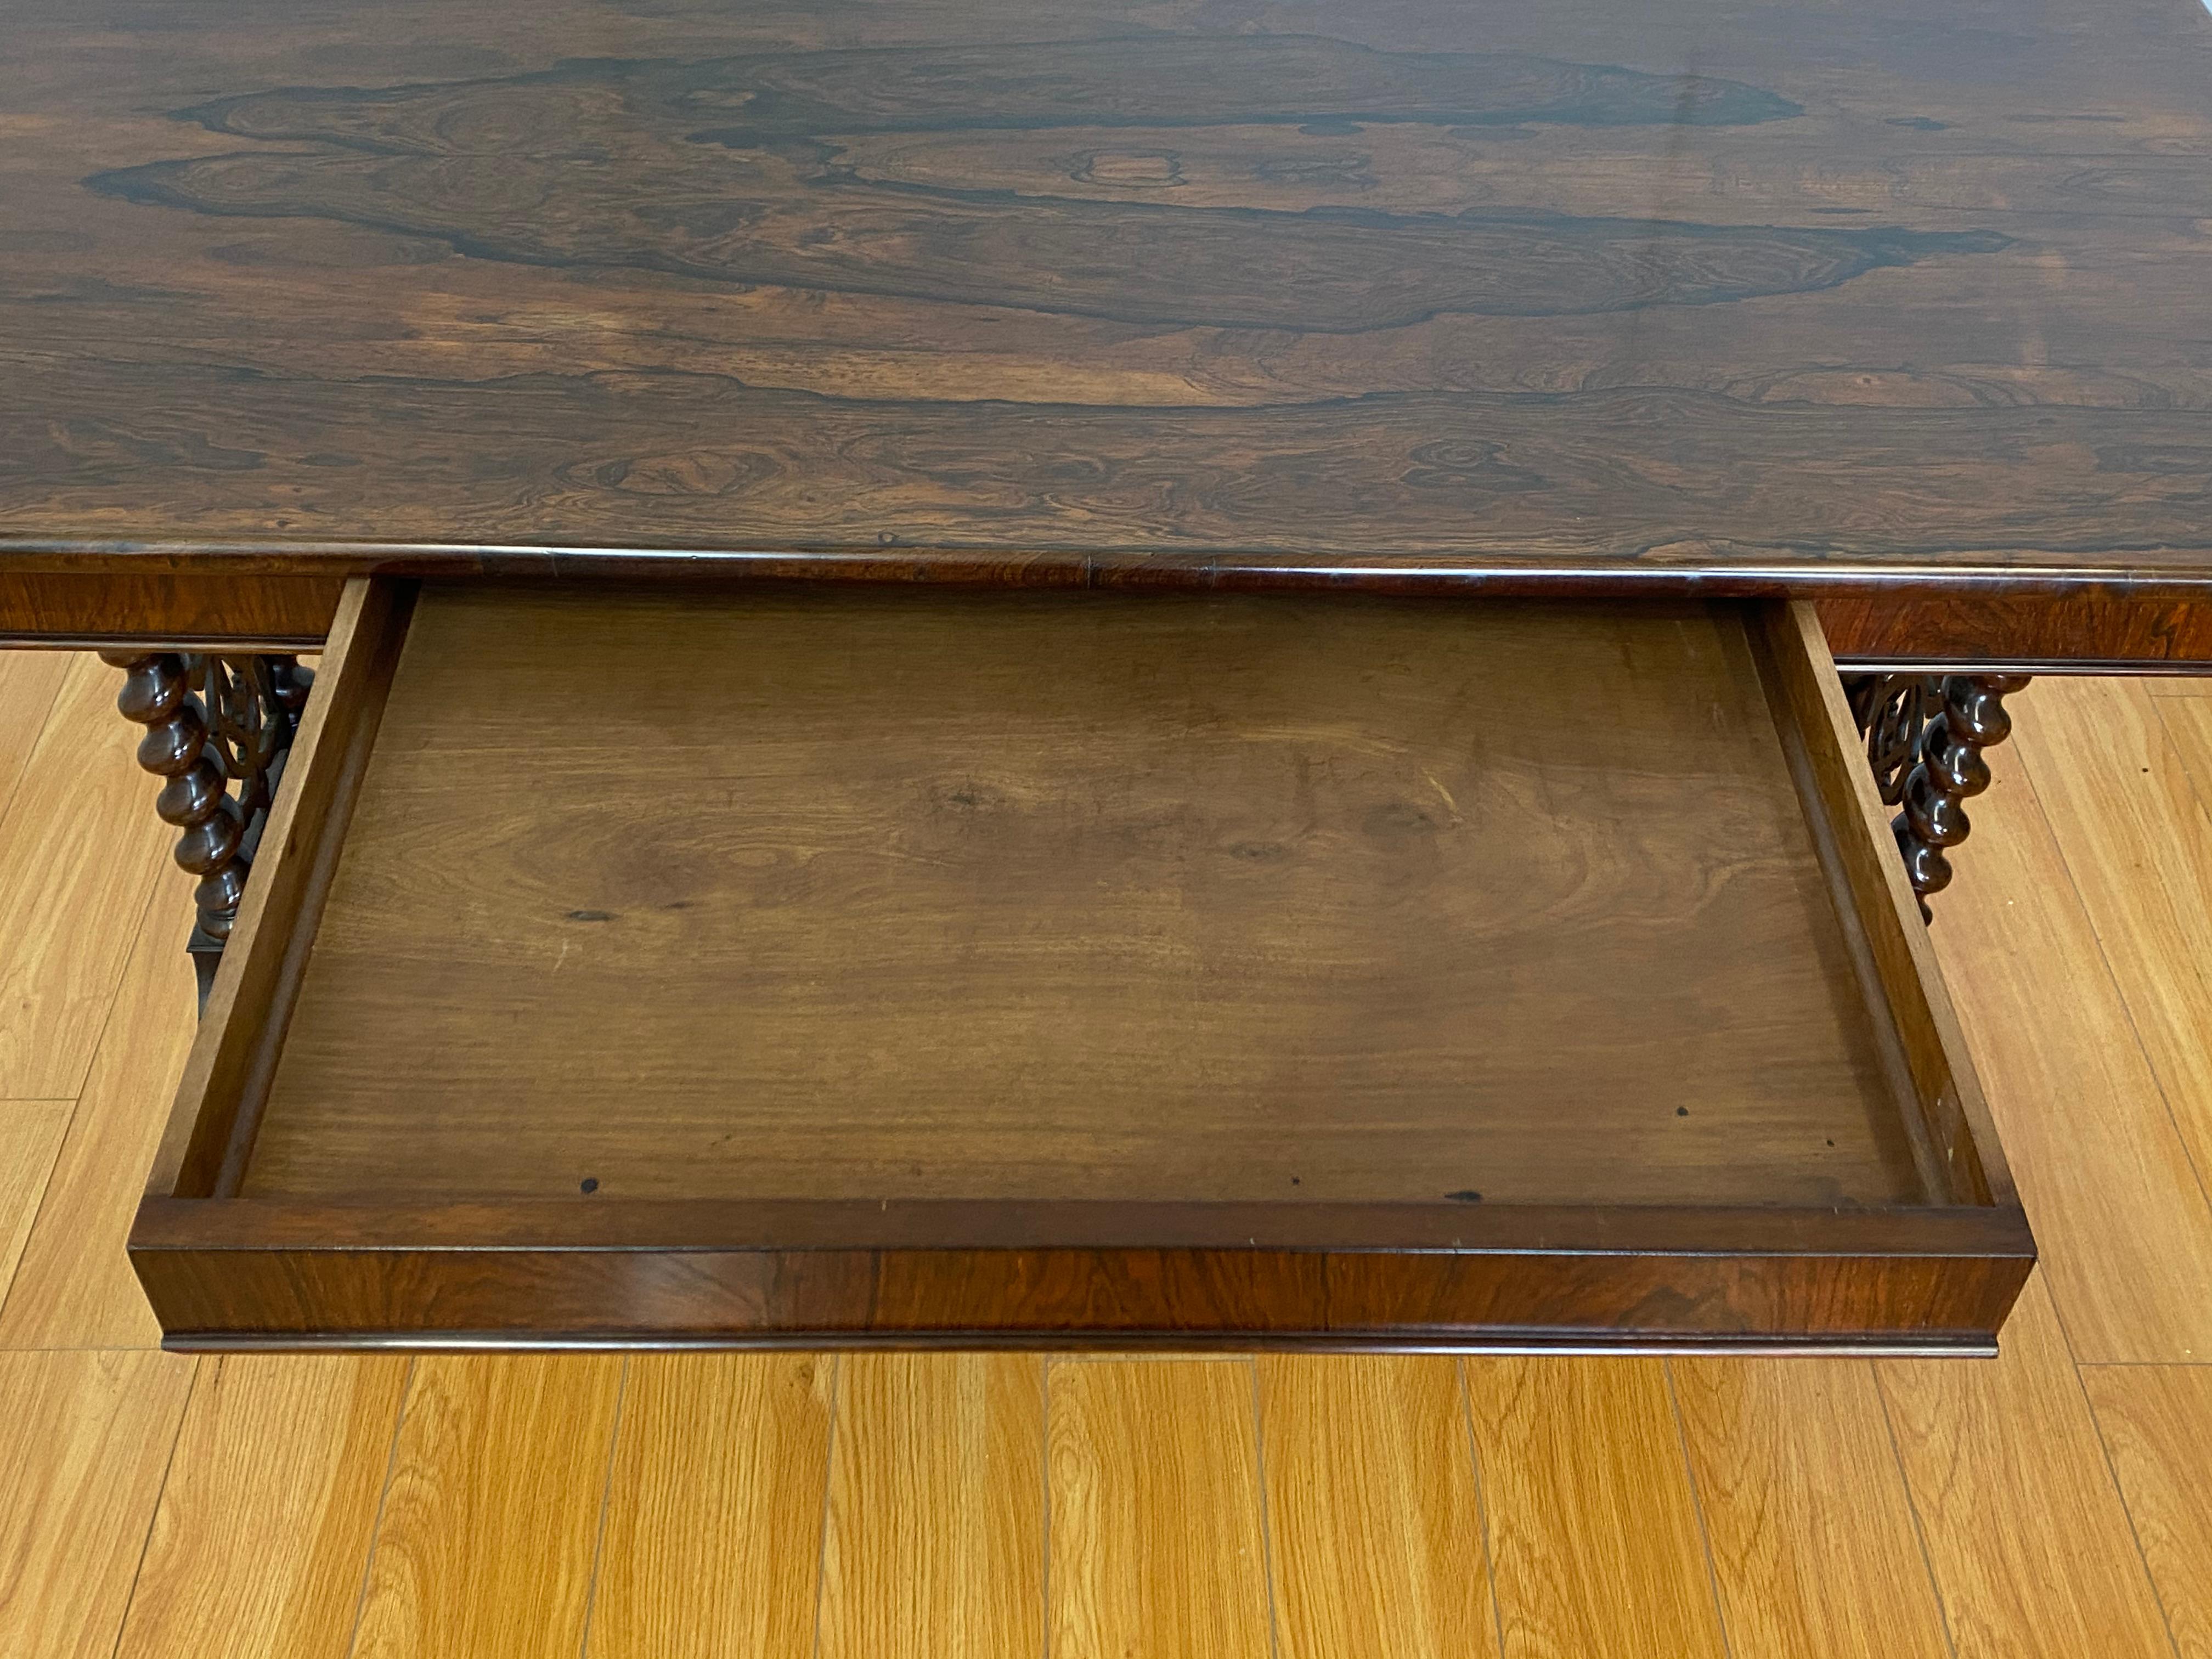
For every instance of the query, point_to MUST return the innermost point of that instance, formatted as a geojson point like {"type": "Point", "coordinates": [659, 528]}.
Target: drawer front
{"type": "Point", "coordinates": [812, 966]}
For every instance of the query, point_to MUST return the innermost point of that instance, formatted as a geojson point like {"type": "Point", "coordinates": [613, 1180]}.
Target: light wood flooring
{"type": "Point", "coordinates": [2056, 1501]}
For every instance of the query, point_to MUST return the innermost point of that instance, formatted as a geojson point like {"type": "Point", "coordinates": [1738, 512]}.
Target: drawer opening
{"type": "Point", "coordinates": [831, 964]}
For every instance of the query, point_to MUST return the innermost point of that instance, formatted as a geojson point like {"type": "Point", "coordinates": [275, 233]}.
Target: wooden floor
{"type": "Point", "coordinates": [2055, 1501]}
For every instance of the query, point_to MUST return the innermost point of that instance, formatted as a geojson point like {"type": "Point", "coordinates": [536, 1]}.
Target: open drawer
{"type": "Point", "coordinates": [911, 966]}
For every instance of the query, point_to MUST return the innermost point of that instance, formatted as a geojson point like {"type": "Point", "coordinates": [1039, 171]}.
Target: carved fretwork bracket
{"type": "Point", "coordinates": [217, 731]}
{"type": "Point", "coordinates": [1925, 735]}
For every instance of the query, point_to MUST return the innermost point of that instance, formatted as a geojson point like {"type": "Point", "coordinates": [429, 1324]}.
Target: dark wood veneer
{"type": "Point", "coordinates": [226, 597]}
{"type": "Point", "coordinates": [258, 1273]}
{"type": "Point", "coordinates": [1885, 307]}
{"type": "Point", "coordinates": [2090, 629]}
{"type": "Point", "coordinates": [119, 605]}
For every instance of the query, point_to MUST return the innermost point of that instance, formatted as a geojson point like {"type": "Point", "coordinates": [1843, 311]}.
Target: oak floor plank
{"type": "Point", "coordinates": [29, 681]}
{"type": "Point", "coordinates": [31, 1133]}
{"type": "Point", "coordinates": [2188, 723]}
{"type": "Point", "coordinates": [1374, 1517]}
{"type": "Point", "coordinates": [2132, 826]}
{"type": "Point", "coordinates": [1156, 1540]}
{"type": "Point", "coordinates": [2125, 1231]}
{"type": "Point", "coordinates": [1595, 1540]}
{"type": "Point", "coordinates": [492, 1509]}
{"type": "Point", "coordinates": [258, 1545]}
{"type": "Point", "coordinates": [933, 1540]}
{"type": "Point", "coordinates": [1814, 1546]}
{"type": "Point", "coordinates": [2156, 1421]}
{"type": "Point", "coordinates": [712, 1535]}
{"type": "Point", "coordinates": [79, 844]}
{"type": "Point", "coordinates": [2032, 1559]}
{"type": "Point", "coordinates": [74, 1286]}
{"type": "Point", "coordinates": [84, 1438]}
{"type": "Point", "coordinates": [2032, 1550]}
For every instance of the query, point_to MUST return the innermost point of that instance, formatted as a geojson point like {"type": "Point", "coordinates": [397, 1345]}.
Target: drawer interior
{"type": "Point", "coordinates": [613, 906]}
{"type": "Point", "coordinates": [893, 895]}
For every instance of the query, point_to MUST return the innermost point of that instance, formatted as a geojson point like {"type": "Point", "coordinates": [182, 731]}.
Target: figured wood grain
{"type": "Point", "coordinates": [2152, 1419]}
{"type": "Point", "coordinates": [84, 1440]}
{"type": "Point", "coordinates": [1962, 630]}
{"type": "Point", "coordinates": [1376, 1541]}
{"type": "Point", "coordinates": [221, 1274]}
{"type": "Point", "coordinates": [713, 1536]}
{"type": "Point", "coordinates": [1156, 1541]}
{"type": "Point", "coordinates": [934, 1535]}
{"type": "Point", "coordinates": [1047, 1229]}
{"type": "Point", "coordinates": [2132, 825]}
{"type": "Point", "coordinates": [1076, 257]}
{"type": "Point", "coordinates": [258, 1547]}
{"type": "Point", "coordinates": [2030, 1546]}
{"type": "Point", "coordinates": [1099, 896]}
{"type": "Point", "coordinates": [491, 1510]}
{"type": "Point", "coordinates": [30, 1138]}
{"type": "Point", "coordinates": [1813, 1548]}
{"type": "Point", "coordinates": [1619, 289]}
{"type": "Point", "coordinates": [1594, 1543]}
{"type": "Point", "coordinates": [2117, 1204]}
{"type": "Point", "coordinates": [73, 1286]}
{"type": "Point", "coordinates": [80, 607]}
{"type": "Point", "coordinates": [68, 901]}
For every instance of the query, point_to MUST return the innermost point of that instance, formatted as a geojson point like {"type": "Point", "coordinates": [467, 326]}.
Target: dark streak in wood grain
{"type": "Point", "coordinates": [2097, 624]}
{"type": "Point", "coordinates": [569, 459]}
{"type": "Point", "coordinates": [1699, 291]}
{"type": "Point", "coordinates": [158, 607]}
{"type": "Point", "coordinates": [1173, 80]}
{"type": "Point", "coordinates": [1329, 270]}
{"type": "Point", "coordinates": [545, 169]}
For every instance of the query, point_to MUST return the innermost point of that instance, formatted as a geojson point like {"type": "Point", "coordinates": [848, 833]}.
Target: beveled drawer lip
{"type": "Point", "coordinates": [228, 1272]}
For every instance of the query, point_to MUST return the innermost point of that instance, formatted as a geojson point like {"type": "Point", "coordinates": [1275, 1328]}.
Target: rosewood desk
{"type": "Point", "coordinates": [1055, 674]}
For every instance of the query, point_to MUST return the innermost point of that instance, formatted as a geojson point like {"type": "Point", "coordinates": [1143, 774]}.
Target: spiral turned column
{"type": "Point", "coordinates": [218, 730]}
{"type": "Point", "coordinates": [157, 694]}
{"type": "Point", "coordinates": [1949, 768]}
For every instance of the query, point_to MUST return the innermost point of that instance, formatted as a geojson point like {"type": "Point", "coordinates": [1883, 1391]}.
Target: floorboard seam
{"type": "Point", "coordinates": [46, 1187]}
{"type": "Point", "coordinates": [2119, 991]}
{"type": "Point", "coordinates": [46, 719]}
{"type": "Point", "coordinates": [154, 1514]}
{"type": "Point", "coordinates": [829, 1486]}
{"type": "Point", "coordinates": [1267, 1536]}
{"type": "Point", "coordinates": [153, 892]}
{"type": "Point", "coordinates": [606, 1500]}
{"type": "Point", "coordinates": [1912, 1508]}
{"type": "Point", "coordinates": [383, 1496]}
{"type": "Point", "coordinates": [1698, 1509]}
{"type": "Point", "coordinates": [1044, 1480]}
{"type": "Point", "coordinates": [1481, 1502]}
{"type": "Point", "coordinates": [2120, 1492]}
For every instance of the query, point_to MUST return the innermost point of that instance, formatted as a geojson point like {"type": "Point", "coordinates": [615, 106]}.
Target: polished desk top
{"type": "Point", "coordinates": [1587, 291]}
